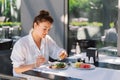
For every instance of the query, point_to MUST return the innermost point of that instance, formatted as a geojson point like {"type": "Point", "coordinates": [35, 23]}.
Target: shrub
{"type": "Point", "coordinates": [75, 23]}
{"type": "Point", "coordinates": [11, 24]}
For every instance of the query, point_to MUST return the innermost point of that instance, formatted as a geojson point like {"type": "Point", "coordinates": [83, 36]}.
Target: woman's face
{"type": "Point", "coordinates": [42, 28]}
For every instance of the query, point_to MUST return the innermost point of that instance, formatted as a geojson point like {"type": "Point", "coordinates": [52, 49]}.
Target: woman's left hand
{"type": "Point", "coordinates": [40, 60]}
{"type": "Point", "coordinates": [63, 55]}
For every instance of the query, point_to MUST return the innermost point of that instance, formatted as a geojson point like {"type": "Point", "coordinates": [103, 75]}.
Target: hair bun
{"type": "Point", "coordinates": [44, 13]}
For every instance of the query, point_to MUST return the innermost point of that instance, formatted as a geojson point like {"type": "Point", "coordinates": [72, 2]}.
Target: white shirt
{"type": "Point", "coordinates": [25, 50]}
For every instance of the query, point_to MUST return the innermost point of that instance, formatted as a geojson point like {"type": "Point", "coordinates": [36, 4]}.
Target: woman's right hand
{"type": "Point", "coordinates": [40, 60]}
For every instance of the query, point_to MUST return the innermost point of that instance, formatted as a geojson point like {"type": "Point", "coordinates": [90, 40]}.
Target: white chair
{"type": "Point", "coordinates": [110, 42]}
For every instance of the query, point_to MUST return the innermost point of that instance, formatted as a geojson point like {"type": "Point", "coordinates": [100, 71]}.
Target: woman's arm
{"type": "Point", "coordinates": [24, 68]}
{"type": "Point", "coordinates": [39, 61]}
{"type": "Point", "coordinates": [55, 51]}
{"type": "Point", "coordinates": [63, 55]}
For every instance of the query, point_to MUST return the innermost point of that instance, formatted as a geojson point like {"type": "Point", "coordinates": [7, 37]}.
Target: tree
{"type": "Point", "coordinates": [10, 9]}
{"type": "Point", "coordinates": [76, 6]}
{"type": "Point", "coordinates": [104, 11]}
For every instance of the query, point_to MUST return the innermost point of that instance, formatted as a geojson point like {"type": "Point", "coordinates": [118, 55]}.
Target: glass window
{"type": "Point", "coordinates": [10, 23]}
{"type": "Point", "coordinates": [93, 23]}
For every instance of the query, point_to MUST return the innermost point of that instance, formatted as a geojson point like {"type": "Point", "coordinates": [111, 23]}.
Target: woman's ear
{"type": "Point", "coordinates": [35, 25]}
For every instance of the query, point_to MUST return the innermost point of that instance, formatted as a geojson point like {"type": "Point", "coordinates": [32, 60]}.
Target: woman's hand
{"type": "Point", "coordinates": [40, 60]}
{"type": "Point", "coordinates": [63, 55]}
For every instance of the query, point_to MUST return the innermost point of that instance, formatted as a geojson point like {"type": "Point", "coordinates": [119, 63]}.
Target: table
{"type": "Point", "coordinates": [109, 49]}
{"type": "Point", "coordinates": [6, 44]}
{"type": "Point", "coordinates": [104, 70]}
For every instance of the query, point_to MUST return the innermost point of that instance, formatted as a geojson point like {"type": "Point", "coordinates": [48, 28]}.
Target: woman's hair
{"type": "Point", "coordinates": [42, 17]}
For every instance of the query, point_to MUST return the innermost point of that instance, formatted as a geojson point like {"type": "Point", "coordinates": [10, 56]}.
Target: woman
{"type": "Point", "coordinates": [35, 49]}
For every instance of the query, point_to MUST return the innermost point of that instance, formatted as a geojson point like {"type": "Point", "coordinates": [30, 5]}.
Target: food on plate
{"type": "Point", "coordinates": [57, 65]}
{"type": "Point", "coordinates": [82, 65]}
{"type": "Point", "coordinates": [85, 66]}
{"type": "Point", "coordinates": [77, 64]}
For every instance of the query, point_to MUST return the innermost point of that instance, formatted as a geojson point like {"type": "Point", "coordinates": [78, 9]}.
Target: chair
{"type": "Point", "coordinates": [5, 65]}
{"type": "Point", "coordinates": [110, 38]}
{"type": "Point", "coordinates": [6, 44]}
{"type": "Point", "coordinates": [8, 77]}
{"type": "Point", "coordinates": [110, 42]}
{"type": "Point", "coordinates": [86, 43]}
{"type": "Point", "coordinates": [5, 31]}
{"type": "Point", "coordinates": [5, 52]}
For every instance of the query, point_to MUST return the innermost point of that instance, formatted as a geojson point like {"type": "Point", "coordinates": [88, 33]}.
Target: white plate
{"type": "Point", "coordinates": [91, 67]}
{"type": "Point", "coordinates": [66, 66]}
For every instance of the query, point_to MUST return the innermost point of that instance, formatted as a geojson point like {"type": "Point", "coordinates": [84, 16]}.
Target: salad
{"type": "Point", "coordinates": [57, 65]}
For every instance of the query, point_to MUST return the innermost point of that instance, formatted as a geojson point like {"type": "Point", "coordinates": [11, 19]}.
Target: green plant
{"type": "Point", "coordinates": [99, 24]}
{"type": "Point", "coordinates": [75, 23]}
{"type": "Point", "coordinates": [11, 24]}
{"type": "Point", "coordinates": [112, 24]}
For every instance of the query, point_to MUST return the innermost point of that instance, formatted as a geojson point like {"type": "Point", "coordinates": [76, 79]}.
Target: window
{"type": "Point", "coordinates": [93, 20]}
{"type": "Point", "coordinates": [10, 18]}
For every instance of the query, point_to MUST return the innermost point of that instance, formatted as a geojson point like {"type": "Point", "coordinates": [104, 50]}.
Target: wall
{"type": "Point", "coordinates": [118, 43]}
{"type": "Point", "coordinates": [31, 8]}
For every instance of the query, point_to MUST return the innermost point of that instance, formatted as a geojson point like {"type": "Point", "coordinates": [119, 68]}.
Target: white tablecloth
{"type": "Point", "coordinates": [95, 74]}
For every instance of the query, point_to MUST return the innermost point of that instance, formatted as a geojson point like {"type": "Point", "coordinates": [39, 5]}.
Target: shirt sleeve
{"type": "Point", "coordinates": [54, 49]}
{"type": "Point", "coordinates": [17, 55]}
